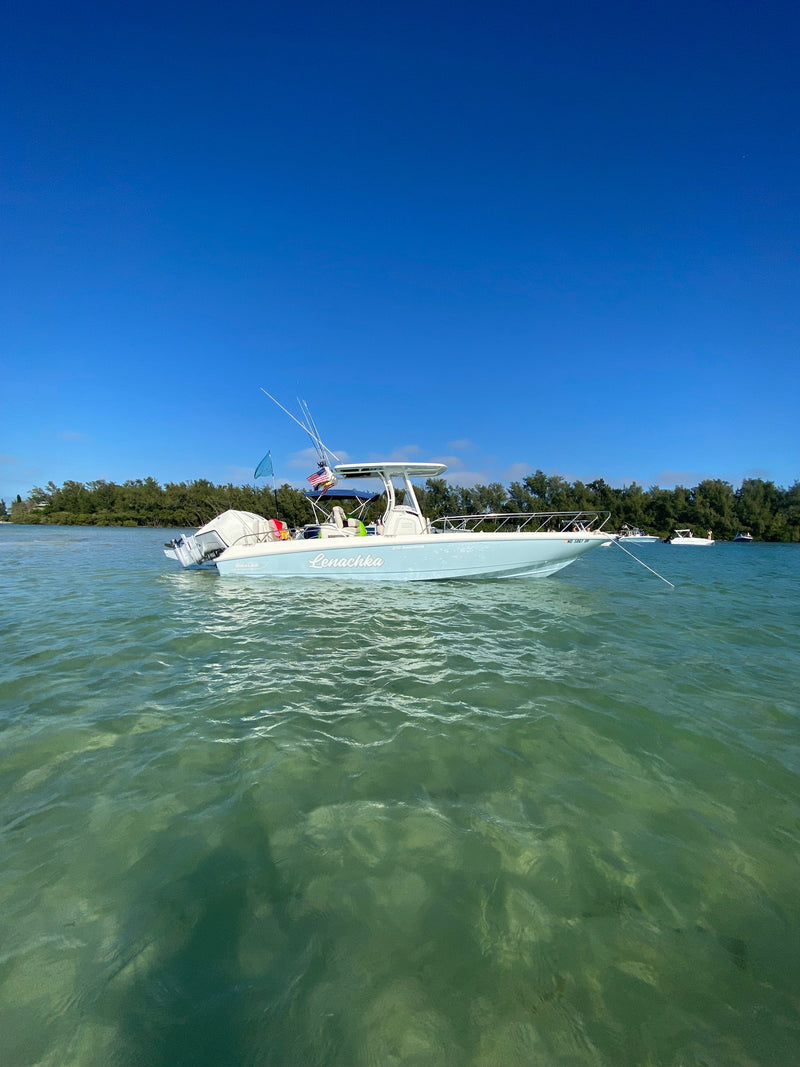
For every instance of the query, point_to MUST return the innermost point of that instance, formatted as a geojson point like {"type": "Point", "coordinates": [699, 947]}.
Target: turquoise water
{"type": "Point", "coordinates": [542, 822]}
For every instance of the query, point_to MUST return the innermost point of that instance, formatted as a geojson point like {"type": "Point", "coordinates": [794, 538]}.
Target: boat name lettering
{"type": "Point", "coordinates": [576, 540]}
{"type": "Point", "coordinates": [322, 562]}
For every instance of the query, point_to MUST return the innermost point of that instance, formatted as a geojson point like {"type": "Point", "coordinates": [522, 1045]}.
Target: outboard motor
{"type": "Point", "coordinates": [193, 550]}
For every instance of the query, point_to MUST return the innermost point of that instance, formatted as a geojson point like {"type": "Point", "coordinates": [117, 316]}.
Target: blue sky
{"type": "Point", "coordinates": [508, 236]}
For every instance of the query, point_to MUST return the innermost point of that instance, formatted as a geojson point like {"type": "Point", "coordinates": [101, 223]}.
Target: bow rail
{"type": "Point", "coordinates": [528, 521]}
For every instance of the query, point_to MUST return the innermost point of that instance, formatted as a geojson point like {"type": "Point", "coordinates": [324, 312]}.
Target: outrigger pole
{"type": "Point", "coordinates": [308, 426]}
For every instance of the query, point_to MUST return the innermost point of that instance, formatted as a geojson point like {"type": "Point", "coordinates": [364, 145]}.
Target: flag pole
{"type": "Point", "coordinates": [264, 468]}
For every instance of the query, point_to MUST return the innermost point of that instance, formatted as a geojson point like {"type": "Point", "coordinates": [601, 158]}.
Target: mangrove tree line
{"type": "Point", "coordinates": [769, 512]}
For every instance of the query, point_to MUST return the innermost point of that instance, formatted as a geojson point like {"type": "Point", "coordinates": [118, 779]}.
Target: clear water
{"type": "Point", "coordinates": [537, 822]}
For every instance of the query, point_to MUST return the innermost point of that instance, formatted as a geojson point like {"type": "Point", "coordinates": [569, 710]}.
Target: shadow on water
{"type": "Point", "coordinates": [218, 971]}
{"type": "Point", "coordinates": [179, 1007]}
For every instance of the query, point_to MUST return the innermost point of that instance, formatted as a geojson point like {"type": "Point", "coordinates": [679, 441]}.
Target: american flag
{"type": "Point", "coordinates": [324, 478]}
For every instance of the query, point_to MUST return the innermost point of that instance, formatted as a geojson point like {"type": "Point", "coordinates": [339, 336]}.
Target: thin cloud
{"type": "Point", "coordinates": [240, 474]}
{"type": "Point", "coordinates": [403, 453]}
{"type": "Point", "coordinates": [453, 463]}
{"type": "Point", "coordinates": [308, 457]}
{"type": "Point", "coordinates": [516, 472]}
{"type": "Point", "coordinates": [468, 479]}
{"type": "Point", "coordinates": [669, 479]}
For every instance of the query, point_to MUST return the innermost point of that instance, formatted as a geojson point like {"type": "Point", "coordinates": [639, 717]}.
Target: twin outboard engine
{"type": "Point", "coordinates": [193, 550]}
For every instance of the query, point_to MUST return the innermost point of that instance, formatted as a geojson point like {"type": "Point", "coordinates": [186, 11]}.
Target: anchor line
{"type": "Point", "coordinates": [627, 553]}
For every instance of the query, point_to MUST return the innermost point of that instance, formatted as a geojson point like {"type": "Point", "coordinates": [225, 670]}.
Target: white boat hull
{"type": "Point", "coordinates": [698, 541]}
{"type": "Point", "coordinates": [425, 557]}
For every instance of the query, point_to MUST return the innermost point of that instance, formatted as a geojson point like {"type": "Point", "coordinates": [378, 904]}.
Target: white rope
{"type": "Point", "coordinates": [627, 553]}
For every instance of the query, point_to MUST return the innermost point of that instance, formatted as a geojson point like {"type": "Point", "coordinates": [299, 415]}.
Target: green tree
{"type": "Point", "coordinates": [633, 503]}
{"type": "Point", "coordinates": [537, 485]}
{"type": "Point", "coordinates": [21, 511]}
{"type": "Point", "coordinates": [437, 498]}
{"type": "Point", "coordinates": [520, 498]}
{"type": "Point", "coordinates": [104, 495]}
{"type": "Point", "coordinates": [492, 497]}
{"type": "Point", "coordinates": [791, 509]}
{"type": "Point", "coordinates": [757, 502]}
{"type": "Point", "coordinates": [714, 503]}
{"type": "Point", "coordinates": [293, 507]}
{"type": "Point", "coordinates": [559, 494]}
{"type": "Point", "coordinates": [768, 511]}
{"type": "Point", "coordinates": [660, 511]}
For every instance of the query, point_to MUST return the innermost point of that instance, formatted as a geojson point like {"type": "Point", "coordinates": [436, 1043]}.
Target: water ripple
{"type": "Point", "coordinates": [533, 822]}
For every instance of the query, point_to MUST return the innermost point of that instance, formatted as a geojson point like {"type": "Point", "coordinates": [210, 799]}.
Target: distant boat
{"type": "Point", "coordinates": [743, 539]}
{"type": "Point", "coordinates": [686, 537]}
{"type": "Point", "coordinates": [633, 535]}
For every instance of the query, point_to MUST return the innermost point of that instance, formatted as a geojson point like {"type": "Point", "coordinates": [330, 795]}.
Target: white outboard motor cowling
{"type": "Point", "coordinates": [193, 550]}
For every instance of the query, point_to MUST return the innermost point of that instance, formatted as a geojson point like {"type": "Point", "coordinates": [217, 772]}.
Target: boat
{"type": "Point", "coordinates": [743, 538]}
{"type": "Point", "coordinates": [686, 537]}
{"type": "Point", "coordinates": [401, 546]}
{"type": "Point", "coordinates": [631, 535]}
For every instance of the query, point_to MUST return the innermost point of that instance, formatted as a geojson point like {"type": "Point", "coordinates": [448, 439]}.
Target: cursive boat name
{"type": "Point", "coordinates": [323, 562]}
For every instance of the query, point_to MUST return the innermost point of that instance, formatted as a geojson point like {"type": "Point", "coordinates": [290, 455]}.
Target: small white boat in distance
{"type": "Point", "coordinates": [686, 537]}
{"type": "Point", "coordinates": [632, 535]}
{"type": "Point", "coordinates": [743, 539]}
{"type": "Point", "coordinates": [402, 546]}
